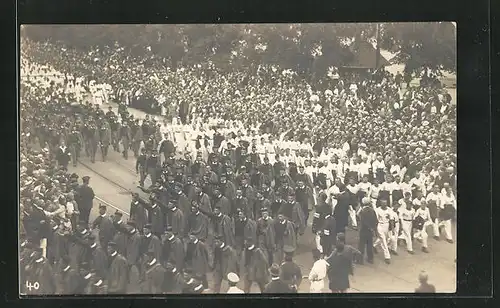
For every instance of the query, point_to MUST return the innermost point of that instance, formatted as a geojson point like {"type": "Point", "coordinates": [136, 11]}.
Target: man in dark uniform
{"type": "Point", "coordinates": [154, 276]}
{"type": "Point", "coordinates": [184, 112]}
{"type": "Point", "coordinates": [227, 188]}
{"type": "Point", "coordinates": [140, 166]}
{"type": "Point", "coordinates": [118, 271]}
{"type": "Point", "coordinates": [304, 197]}
{"type": "Point", "coordinates": [138, 211]}
{"type": "Point", "coordinates": [341, 210]}
{"type": "Point", "coordinates": [290, 272]}
{"type": "Point", "coordinates": [68, 278]}
{"type": "Point", "coordinates": [225, 262]}
{"type": "Point", "coordinates": [149, 242]}
{"type": "Point", "coordinates": [63, 155]}
{"type": "Point", "coordinates": [367, 228]}
{"type": "Point", "coordinates": [266, 237]}
{"type": "Point", "coordinates": [105, 226]}
{"type": "Point", "coordinates": [98, 258]}
{"type": "Point", "coordinates": [85, 199]}
{"type": "Point", "coordinates": [285, 236]}
{"type": "Point", "coordinates": [267, 170]}
{"type": "Point", "coordinates": [75, 143]}
{"type": "Point", "coordinates": [152, 164]}
{"type": "Point", "coordinates": [134, 242]}
{"type": "Point", "coordinates": [92, 140]}
{"type": "Point", "coordinates": [137, 136]}
{"type": "Point", "coordinates": [254, 267]}
{"type": "Point", "coordinates": [198, 223]}
{"type": "Point", "coordinates": [39, 275]}
{"type": "Point", "coordinates": [199, 259]}
{"type": "Point", "coordinates": [223, 227]}
{"type": "Point", "coordinates": [222, 202]}
{"type": "Point", "coordinates": [241, 202]}
{"type": "Point", "coordinates": [167, 147]}
{"type": "Point", "coordinates": [245, 230]}
{"type": "Point", "coordinates": [276, 285]}
{"type": "Point", "coordinates": [328, 234]}
{"type": "Point", "coordinates": [176, 220]}
{"type": "Point", "coordinates": [173, 251]}
{"type": "Point", "coordinates": [125, 137]}
{"type": "Point", "coordinates": [104, 138]}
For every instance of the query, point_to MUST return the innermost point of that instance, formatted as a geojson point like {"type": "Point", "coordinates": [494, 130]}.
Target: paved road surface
{"type": "Point", "coordinates": [399, 276]}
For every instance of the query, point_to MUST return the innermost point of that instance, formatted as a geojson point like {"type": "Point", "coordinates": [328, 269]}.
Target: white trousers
{"type": "Point", "coordinates": [406, 227]}
{"type": "Point", "coordinates": [43, 245]}
{"type": "Point", "coordinates": [446, 224]}
{"type": "Point", "coordinates": [317, 240]}
{"type": "Point", "coordinates": [393, 237]}
{"type": "Point", "coordinates": [352, 216]}
{"type": "Point", "coordinates": [422, 234]}
{"type": "Point", "coordinates": [382, 239]}
{"type": "Point", "coordinates": [317, 286]}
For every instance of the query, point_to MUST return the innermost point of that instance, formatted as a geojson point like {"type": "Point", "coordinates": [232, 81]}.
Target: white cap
{"type": "Point", "coordinates": [232, 277]}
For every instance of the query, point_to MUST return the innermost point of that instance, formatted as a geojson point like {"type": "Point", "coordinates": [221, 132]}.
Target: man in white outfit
{"type": "Point", "coordinates": [423, 213]}
{"type": "Point", "coordinates": [447, 205]}
{"type": "Point", "coordinates": [383, 216]}
{"type": "Point", "coordinates": [406, 215]}
{"type": "Point", "coordinates": [435, 197]}
{"type": "Point", "coordinates": [318, 273]}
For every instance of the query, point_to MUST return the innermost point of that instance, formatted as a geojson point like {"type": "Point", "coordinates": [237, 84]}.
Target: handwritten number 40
{"type": "Point", "coordinates": [30, 286]}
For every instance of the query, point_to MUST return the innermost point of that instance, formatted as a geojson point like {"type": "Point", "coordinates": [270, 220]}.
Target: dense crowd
{"type": "Point", "coordinates": [238, 163]}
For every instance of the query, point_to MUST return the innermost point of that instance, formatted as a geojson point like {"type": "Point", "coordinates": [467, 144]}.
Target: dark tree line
{"type": "Point", "coordinates": [419, 45]}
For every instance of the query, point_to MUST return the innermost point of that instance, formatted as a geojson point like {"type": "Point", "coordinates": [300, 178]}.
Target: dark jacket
{"type": "Point", "coordinates": [278, 286]}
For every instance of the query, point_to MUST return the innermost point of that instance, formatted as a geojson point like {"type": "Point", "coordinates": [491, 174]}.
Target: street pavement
{"type": "Point", "coordinates": [114, 179]}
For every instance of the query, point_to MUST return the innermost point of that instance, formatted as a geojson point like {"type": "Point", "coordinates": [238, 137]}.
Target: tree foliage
{"type": "Point", "coordinates": [306, 48]}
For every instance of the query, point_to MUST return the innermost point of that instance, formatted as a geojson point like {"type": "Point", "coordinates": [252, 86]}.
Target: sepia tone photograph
{"type": "Point", "coordinates": [237, 158]}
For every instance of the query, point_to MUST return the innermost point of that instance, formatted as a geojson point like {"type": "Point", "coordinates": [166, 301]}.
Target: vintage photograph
{"type": "Point", "coordinates": [237, 158]}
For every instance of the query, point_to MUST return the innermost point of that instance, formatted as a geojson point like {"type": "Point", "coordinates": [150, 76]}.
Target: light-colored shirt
{"type": "Point", "coordinates": [424, 213]}
{"type": "Point", "coordinates": [448, 200]}
{"type": "Point", "coordinates": [405, 214]}
{"type": "Point", "coordinates": [235, 290]}
{"type": "Point", "coordinates": [436, 197]}
{"type": "Point", "coordinates": [383, 216]}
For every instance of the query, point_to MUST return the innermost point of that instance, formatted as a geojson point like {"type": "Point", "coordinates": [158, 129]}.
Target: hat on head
{"type": "Point", "coordinates": [112, 244]}
{"type": "Point", "coordinates": [86, 178]}
{"type": "Point", "coordinates": [289, 250]}
{"type": "Point", "coordinates": [274, 270]}
{"type": "Point", "coordinates": [148, 226]}
{"type": "Point", "coordinates": [131, 223]}
{"type": "Point", "coordinates": [102, 206]}
{"type": "Point", "coordinates": [232, 277]}
{"type": "Point", "coordinates": [118, 213]}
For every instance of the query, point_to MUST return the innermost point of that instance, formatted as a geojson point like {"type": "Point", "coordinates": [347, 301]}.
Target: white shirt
{"type": "Point", "coordinates": [424, 213]}
{"type": "Point", "coordinates": [374, 191]}
{"type": "Point", "coordinates": [405, 214]}
{"type": "Point", "coordinates": [436, 197]}
{"type": "Point", "coordinates": [363, 168]}
{"type": "Point", "coordinates": [353, 188]}
{"type": "Point", "coordinates": [383, 216]}
{"type": "Point", "coordinates": [448, 200]}
{"type": "Point", "coordinates": [405, 187]}
{"type": "Point", "coordinates": [235, 290]}
{"type": "Point", "coordinates": [365, 187]}
{"type": "Point", "coordinates": [318, 271]}
{"type": "Point", "coordinates": [378, 165]}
